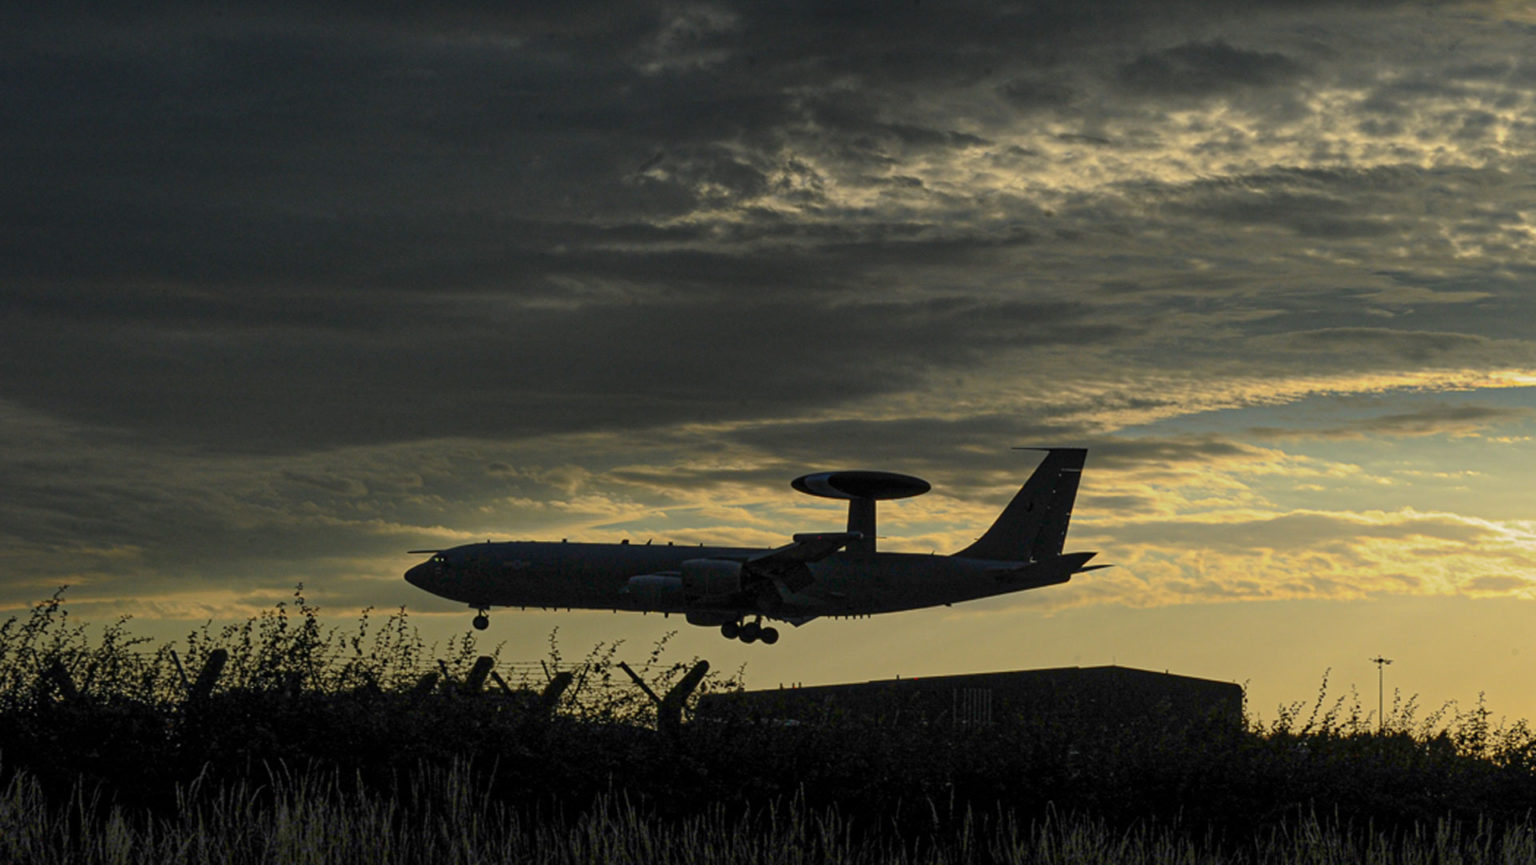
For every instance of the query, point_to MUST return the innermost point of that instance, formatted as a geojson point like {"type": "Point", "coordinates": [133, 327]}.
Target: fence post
{"type": "Point", "coordinates": [669, 709]}
{"type": "Point", "coordinates": [181, 672]}
{"type": "Point", "coordinates": [474, 683]}
{"type": "Point", "coordinates": [550, 697]}
{"type": "Point", "coordinates": [424, 685]}
{"type": "Point", "coordinates": [207, 677]}
{"type": "Point", "coordinates": [501, 683]}
{"type": "Point", "coordinates": [641, 682]}
{"type": "Point", "coordinates": [669, 713]}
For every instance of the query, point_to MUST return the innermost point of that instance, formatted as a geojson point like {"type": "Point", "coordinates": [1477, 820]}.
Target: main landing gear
{"type": "Point", "coordinates": [750, 632]}
{"type": "Point", "coordinates": [482, 621]}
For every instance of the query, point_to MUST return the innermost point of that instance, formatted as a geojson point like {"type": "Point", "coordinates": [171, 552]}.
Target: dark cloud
{"type": "Point", "coordinates": [1314, 204]}
{"type": "Point", "coordinates": [1416, 346]}
{"type": "Point", "coordinates": [1199, 68]}
{"type": "Point", "coordinates": [280, 145]}
{"type": "Point", "coordinates": [265, 265]}
{"type": "Point", "coordinates": [1122, 453]}
{"type": "Point", "coordinates": [969, 451]}
{"type": "Point", "coordinates": [342, 486]}
{"type": "Point", "coordinates": [1399, 95]}
{"type": "Point", "coordinates": [513, 372]}
{"type": "Point", "coordinates": [1037, 91]}
{"type": "Point", "coordinates": [1436, 420]}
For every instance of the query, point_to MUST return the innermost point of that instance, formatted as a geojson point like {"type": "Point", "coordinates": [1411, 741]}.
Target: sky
{"type": "Point", "coordinates": [292, 288]}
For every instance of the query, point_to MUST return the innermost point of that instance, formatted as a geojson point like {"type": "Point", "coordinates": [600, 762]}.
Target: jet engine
{"type": "Point", "coordinates": [711, 579]}
{"type": "Point", "coordinates": [653, 588]}
{"type": "Point", "coordinates": [712, 618]}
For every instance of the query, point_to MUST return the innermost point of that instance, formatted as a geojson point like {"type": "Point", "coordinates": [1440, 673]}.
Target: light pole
{"type": "Point", "coordinates": [1381, 664]}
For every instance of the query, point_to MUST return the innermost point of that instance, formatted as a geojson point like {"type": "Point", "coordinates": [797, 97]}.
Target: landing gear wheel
{"type": "Point", "coordinates": [769, 636]}
{"type": "Point", "coordinates": [750, 632]}
{"type": "Point", "coordinates": [730, 630]}
{"type": "Point", "coordinates": [481, 621]}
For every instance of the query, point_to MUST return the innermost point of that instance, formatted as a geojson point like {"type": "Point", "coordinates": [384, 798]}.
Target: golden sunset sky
{"type": "Point", "coordinates": [292, 288]}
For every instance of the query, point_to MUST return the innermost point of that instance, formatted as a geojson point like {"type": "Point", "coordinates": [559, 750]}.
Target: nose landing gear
{"type": "Point", "coordinates": [750, 632]}
{"type": "Point", "coordinates": [483, 620]}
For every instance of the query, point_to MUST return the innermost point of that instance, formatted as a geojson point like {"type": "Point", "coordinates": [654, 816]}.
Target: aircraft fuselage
{"type": "Point", "coordinates": [602, 577]}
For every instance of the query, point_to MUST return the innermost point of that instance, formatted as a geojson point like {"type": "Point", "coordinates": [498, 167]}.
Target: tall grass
{"type": "Point", "coordinates": [318, 818]}
{"type": "Point", "coordinates": [283, 647]}
{"type": "Point", "coordinates": [286, 648]}
{"type": "Point", "coordinates": [326, 740]}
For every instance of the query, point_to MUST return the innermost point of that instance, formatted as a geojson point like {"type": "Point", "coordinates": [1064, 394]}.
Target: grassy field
{"type": "Point", "coordinates": [447, 817]}
{"type": "Point", "coordinates": [364, 745]}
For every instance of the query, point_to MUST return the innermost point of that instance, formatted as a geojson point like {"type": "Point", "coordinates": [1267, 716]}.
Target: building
{"type": "Point", "coordinates": [1090, 696]}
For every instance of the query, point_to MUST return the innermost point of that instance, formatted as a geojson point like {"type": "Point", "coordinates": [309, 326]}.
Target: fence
{"type": "Point", "coordinates": [532, 682]}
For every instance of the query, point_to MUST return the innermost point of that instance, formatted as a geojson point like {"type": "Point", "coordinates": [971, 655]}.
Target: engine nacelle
{"type": "Point", "coordinates": [711, 618]}
{"type": "Point", "coordinates": [711, 579]}
{"type": "Point", "coordinates": [653, 588]}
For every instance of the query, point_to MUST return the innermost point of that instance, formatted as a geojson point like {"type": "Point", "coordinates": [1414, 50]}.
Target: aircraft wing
{"type": "Point", "coordinates": [786, 566]}
{"type": "Point", "coordinates": [808, 547]}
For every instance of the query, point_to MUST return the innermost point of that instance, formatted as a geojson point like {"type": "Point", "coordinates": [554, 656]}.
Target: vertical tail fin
{"type": "Point", "coordinates": [1034, 525]}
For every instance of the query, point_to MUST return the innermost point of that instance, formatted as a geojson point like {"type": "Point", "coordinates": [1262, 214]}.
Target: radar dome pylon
{"type": "Point", "coordinates": [862, 489]}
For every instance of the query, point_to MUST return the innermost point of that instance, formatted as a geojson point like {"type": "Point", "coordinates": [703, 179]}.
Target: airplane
{"type": "Point", "coordinates": [818, 574]}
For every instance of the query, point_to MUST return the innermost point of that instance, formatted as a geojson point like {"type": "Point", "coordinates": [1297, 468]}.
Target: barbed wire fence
{"type": "Point", "coordinates": [44, 656]}
{"type": "Point", "coordinates": [166, 675]}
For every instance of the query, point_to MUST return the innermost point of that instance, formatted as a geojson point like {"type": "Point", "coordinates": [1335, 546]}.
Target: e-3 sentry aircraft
{"type": "Point", "coordinates": [827, 574]}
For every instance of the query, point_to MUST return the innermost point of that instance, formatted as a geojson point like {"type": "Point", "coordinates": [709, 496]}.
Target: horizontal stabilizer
{"type": "Point", "coordinates": [1047, 573]}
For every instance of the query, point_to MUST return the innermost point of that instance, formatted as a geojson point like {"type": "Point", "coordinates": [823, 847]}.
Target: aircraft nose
{"type": "Point", "coordinates": [423, 576]}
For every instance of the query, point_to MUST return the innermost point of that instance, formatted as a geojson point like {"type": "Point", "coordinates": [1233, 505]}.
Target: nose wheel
{"type": "Point", "coordinates": [482, 621]}
{"type": "Point", "coordinates": [750, 632]}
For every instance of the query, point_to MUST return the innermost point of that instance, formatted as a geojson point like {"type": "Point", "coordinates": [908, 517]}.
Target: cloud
{"type": "Point", "coordinates": [330, 483]}
{"type": "Point", "coordinates": [1418, 346]}
{"type": "Point", "coordinates": [518, 371]}
{"type": "Point", "coordinates": [1310, 205]}
{"type": "Point", "coordinates": [1304, 530]}
{"type": "Point", "coordinates": [1317, 555]}
{"type": "Point", "coordinates": [1437, 420]}
{"type": "Point", "coordinates": [1206, 67]}
{"type": "Point", "coordinates": [1497, 585]}
{"type": "Point", "coordinates": [522, 227]}
{"type": "Point", "coordinates": [289, 287]}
